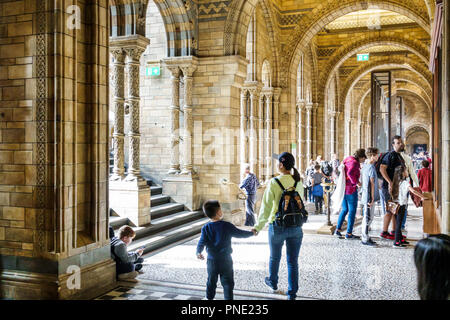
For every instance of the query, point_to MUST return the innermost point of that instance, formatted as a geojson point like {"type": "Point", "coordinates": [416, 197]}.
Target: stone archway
{"type": "Point", "coordinates": [405, 63]}
{"type": "Point", "coordinates": [323, 14]}
{"type": "Point", "coordinates": [371, 40]}
{"type": "Point", "coordinates": [235, 34]}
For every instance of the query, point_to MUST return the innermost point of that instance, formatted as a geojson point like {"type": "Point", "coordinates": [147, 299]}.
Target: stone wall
{"type": "Point", "coordinates": [53, 147]}
{"type": "Point", "coordinates": [155, 101]}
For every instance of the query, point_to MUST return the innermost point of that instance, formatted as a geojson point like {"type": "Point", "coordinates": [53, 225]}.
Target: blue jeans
{"type": "Point", "coordinates": [310, 196]}
{"type": "Point", "coordinates": [293, 237]}
{"type": "Point", "coordinates": [349, 205]}
{"type": "Point", "coordinates": [250, 210]}
{"type": "Point", "coordinates": [224, 268]}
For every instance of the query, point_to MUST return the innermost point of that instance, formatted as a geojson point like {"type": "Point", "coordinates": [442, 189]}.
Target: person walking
{"type": "Point", "coordinates": [216, 237]}
{"type": "Point", "coordinates": [352, 170]}
{"type": "Point", "coordinates": [317, 189]}
{"type": "Point", "coordinates": [413, 177]}
{"type": "Point", "coordinates": [335, 165]}
{"type": "Point", "coordinates": [308, 179]}
{"type": "Point", "coordinates": [389, 162]}
{"type": "Point", "coordinates": [425, 177]}
{"type": "Point", "coordinates": [250, 185]}
{"type": "Point", "coordinates": [370, 194]}
{"type": "Point", "coordinates": [278, 235]}
{"type": "Point", "coordinates": [400, 188]}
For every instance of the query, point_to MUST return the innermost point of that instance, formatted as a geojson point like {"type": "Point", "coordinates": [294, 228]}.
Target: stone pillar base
{"type": "Point", "coordinates": [326, 229]}
{"type": "Point", "coordinates": [233, 208]}
{"type": "Point", "coordinates": [95, 280]}
{"type": "Point", "coordinates": [183, 189]}
{"type": "Point", "coordinates": [131, 199]}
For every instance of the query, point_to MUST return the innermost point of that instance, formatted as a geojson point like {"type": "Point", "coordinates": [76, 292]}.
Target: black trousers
{"type": "Point", "coordinates": [318, 202]}
{"type": "Point", "coordinates": [398, 225]}
{"type": "Point", "coordinates": [223, 268]}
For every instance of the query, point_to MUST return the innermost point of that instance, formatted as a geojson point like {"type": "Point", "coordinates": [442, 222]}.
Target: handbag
{"type": "Point", "coordinates": [317, 190]}
{"type": "Point", "coordinates": [339, 192]}
{"type": "Point", "coordinates": [417, 201]}
{"type": "Point", "coordinates": [392, 207]}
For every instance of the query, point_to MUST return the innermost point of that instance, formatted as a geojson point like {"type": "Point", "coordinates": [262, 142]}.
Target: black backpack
{"type": "Point", "coordinates": [327, 169]}
{"type": "Point", "coordinates": [291, 210]}
{"type": "Point", "coordinates": [378, 165]}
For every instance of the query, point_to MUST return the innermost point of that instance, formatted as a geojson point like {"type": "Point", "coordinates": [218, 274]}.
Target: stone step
{"type": "Point", "coordinates": [158, 200]}
{"type": "Point", "coordinates": [112, 213]}
{"type": "Point", "coordinates": [168, 222]}
{"type": "Point", "coordinates": [155, 190]}
{"type": "Point", "coordinates": [165, 210]}
{"type": "Point", "coordinates": [116, 222]}
{"type": "Point", "coordinates": [170, 237]}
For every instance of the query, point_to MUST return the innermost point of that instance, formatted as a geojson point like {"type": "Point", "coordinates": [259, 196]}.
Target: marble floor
{"type": "Point", "coordinates": [329, 268]}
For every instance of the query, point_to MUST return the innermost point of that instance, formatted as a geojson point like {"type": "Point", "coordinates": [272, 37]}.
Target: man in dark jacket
{"type": "Point", "coordinates": [128, 264]}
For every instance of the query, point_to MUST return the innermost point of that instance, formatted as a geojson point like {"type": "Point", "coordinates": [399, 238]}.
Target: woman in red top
{"type": "Point", "coordinates": [424, 176]}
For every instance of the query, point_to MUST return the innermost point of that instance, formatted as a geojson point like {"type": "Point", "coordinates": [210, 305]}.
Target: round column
{"type": "Point", "coordinates": [175, 122]}
{"type": "Point", "coordinates": [188, 121]}
{"type": "Point", "coordinates": [117, 81]}
{"type": "Point", "coordinates": [133, 101]}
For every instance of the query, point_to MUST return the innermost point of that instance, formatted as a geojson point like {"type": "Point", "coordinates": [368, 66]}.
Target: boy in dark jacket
{"type": "Point", "coordinates": [216, 236]}
{"type": "Point", "coordinates": [128, 264]}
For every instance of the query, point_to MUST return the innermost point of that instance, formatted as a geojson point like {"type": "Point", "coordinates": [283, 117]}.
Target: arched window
{"type": "Point", "coordinates": [266, 74]}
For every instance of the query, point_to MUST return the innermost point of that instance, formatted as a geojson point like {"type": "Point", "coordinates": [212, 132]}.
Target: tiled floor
{"type": "Point", "coordinates": [129, 293]}
{"type": "Point", "coordinates": [329, 268]}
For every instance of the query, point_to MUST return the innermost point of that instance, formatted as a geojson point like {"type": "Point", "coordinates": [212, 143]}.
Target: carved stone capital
{"type": "Point", "coordinates": [300, 104]}
{"type": "Point", "coordinates": [188, 70]}
{"type": "Point", "coordinates": [134, 53]}
{"type": "Point", "coordinates": [174, 70]}
{"type": "Point", "coordinates": [118, 55]}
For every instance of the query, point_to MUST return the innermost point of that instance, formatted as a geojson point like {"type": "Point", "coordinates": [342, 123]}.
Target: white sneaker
{"type": "Point", "coordinates": [128, 276]}
{"type": "Point", "coordinates": [404, 231]}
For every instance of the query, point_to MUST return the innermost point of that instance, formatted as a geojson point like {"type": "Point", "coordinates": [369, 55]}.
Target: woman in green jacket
{"type": "Point", "coordinates": [278, 235]}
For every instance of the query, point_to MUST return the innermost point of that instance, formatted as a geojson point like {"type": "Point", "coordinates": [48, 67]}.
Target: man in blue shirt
{"type": "Point", "coordinates": [370, 194]}
{"type": "Point", "coordinates": [216, 236]}
{"type": "Point", "coordinates": [251, 185]}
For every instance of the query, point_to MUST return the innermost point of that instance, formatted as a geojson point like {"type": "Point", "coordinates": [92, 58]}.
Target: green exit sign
{"type": "Point", "coordinates": [152, 71]}
{"type": "Point", "coordinates": [362, 57]}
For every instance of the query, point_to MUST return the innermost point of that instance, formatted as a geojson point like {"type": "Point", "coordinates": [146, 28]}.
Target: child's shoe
{"type": "Point", "coordinates": [398, 245]}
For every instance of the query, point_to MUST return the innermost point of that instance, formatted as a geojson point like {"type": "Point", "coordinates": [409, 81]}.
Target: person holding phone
{"type": "Point", "coordinates": [128, 264]}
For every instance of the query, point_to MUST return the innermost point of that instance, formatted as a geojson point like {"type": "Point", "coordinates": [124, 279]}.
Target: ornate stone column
{"type": "Point", "coordinates": [175, 121]}
{"type": "Point", "coordinates": [117, 84]}
{"type": "Point", "coordinates": [268, 173]}
{"type": "Point", "coordinates": [243, 131]}
{"type": "Point", "coordinates": [364, 134]}
{"type": "Point", "coordinates": [188, 70]}
{"type": "Point", "coordinates": [252, 133]}
{"type": "Point", "coordinates": [332, 114]}
{"type": "Point", "coordinates": [276, 125]}
{"type": "Point", "coordinates": [367, 128]}
{"type": "Point", "coordinates": [314, 148]}
{"type": "Point", "coordinates": [301, 151]}
{"type": "Point", "coordinates": [130, 197]}
{"type": "Point", "coordinates": [183, 187]}
{"type": "Point", "coordinates": [133, 101]}
{"type": "Point", "coordinates": [359, 133]}
{"type": "Point", "coordinates": [309, 107]}
{"type": "Point", "coordinates": [261, 137]}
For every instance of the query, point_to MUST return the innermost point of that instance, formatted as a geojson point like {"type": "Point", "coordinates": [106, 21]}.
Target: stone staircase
{"type": "Point", "coordinates": [171, 224]}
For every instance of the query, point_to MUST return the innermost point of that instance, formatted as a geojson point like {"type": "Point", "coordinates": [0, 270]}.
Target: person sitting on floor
{"type": "Point", "coordinates": [128, 264]}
